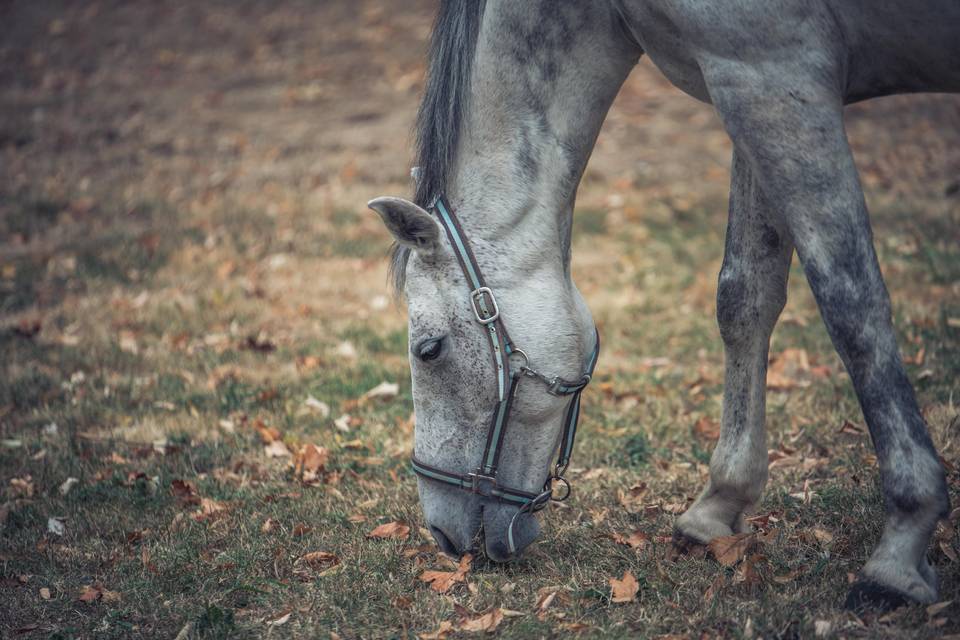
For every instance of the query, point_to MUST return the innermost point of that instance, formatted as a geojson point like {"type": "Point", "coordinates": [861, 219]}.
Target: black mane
{"type": "Point", "coordinates": [450, 59]}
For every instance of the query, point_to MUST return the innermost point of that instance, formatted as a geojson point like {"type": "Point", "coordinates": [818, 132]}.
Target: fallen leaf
{"type": "Point", "coordinates": [267, 433]}
{"type": "Point", "coordinates": [209, 509]}
{"type": "Point", "coordinates": [948, 551]}
{"type": "Point", "coordinates": [301, 530]}
{"type": "Point", "coordinates": [632, 499]}
{"type": "Point", "coordinates": [346, 350]}
{"type": "Point", "coordinates": [822, 628]}
{"type": "Point", "coordinates": [67, 485]}
{"type": "Point", "coordinates": [310, 461]}
{"type": "Point", "coordinates": [638, 539]}
{"type": "Point", "coordinates": [316, 563]}
{"type": "Point", "coordinates": [483, 623]}
{"type": "Point", "coordinates": [729, 550]}
{"type": "Point", "coordinates": [22, 487]}
{"type": "Point", "coordinates": [343, 423]}
{"type": "Point", "coordinates": [714, 587]}
{"type": "Point", "coordinates": [822, 535]}
{"type": "Point", "coordinates": [391, 530]}
{"type": "Point", "coordinates": [317, 406]}
{"type": "Point", "coordinates": [851, 429]}
{"type": "Point", "coordinates": [934, 609]}
{"type": "Point", "coordinates": [747, 572]}
{"type": "Point", "coordinates": [445, 629]}
{"type": "Point", "coordinates": [56, 526]}
{"type": "Point", "coordinates": [384, 390]}
{"type": "Point", "coordinates": [442, 581]}
{"type": "Point", "coordinates": [790, 576]}
{"type": "Point", "coordinates": [45, 593]}
{"type": "Point", "coordinates": [95, 592]}
{"type": "Point", "coordinates": [127, 341]}
{"type": "Point", "coordinates": [545, 600]}
{"type": "Point", "coordinates": [184, 492]}
{"type": "Point", "coordinates": [276, 449]}
{"type": "Point", "coordinates": [624, 589]}
{"type": "Point", "coordinates": [276, 622]}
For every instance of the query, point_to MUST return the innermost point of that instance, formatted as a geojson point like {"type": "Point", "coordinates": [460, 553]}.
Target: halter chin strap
{"type": "Point", "coordinates": [483, 481]}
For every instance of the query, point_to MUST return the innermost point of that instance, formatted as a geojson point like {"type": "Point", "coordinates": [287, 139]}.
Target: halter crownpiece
{"type": "Point", "coordinates": [483, 481]}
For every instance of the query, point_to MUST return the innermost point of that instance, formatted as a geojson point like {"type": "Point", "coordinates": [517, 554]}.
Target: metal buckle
{"type": "Point", "coordinates": [476, 296]}
{"type": "Point", "coordinates": [554, 386]}
{"type": "Point", "coordinates": [478, 481]}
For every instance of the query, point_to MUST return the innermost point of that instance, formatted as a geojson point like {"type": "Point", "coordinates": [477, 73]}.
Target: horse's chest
{"type": "Point", "coordinates": [661, 39]}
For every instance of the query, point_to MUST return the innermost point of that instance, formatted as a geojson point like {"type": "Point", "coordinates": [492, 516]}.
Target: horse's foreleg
{"type": "Point", "coordinates": [751, 292]}
{"type": "Point", "coordinates": [791, 129]}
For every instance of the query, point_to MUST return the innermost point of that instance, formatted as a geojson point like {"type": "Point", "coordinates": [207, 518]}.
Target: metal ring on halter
{"type": "Point", "coordinates": [520, 352]}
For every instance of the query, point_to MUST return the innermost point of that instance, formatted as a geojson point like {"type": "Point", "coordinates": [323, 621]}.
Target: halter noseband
{"type": "Point", "coordinates": [483, 481]}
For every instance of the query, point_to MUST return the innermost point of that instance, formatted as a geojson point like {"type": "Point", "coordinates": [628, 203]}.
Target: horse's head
{"type": "Point", "coordinates": [470, 375]}
{"type": "Point", "coordinates": [515, 95]}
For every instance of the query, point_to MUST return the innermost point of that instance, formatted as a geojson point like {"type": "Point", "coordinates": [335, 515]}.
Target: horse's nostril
{"type": "Point", "coordinates": [446, 545]}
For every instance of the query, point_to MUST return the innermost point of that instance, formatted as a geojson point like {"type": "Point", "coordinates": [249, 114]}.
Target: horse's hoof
{"type": "Point", "coordinates": [866, 596]}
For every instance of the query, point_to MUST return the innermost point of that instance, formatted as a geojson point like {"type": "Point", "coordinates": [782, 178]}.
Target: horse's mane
{"type": "Point", "coordinates": [450, 59]}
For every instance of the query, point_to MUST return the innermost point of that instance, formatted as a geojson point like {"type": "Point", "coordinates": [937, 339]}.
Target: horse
{"type": "Point", "coordinates": [514, 98]}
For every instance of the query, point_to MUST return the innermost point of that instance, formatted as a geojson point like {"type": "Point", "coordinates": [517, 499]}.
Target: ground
{"type": "Point", "coordinates": [189, 281]}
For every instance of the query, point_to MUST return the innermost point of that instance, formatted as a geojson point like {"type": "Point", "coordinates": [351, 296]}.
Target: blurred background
{"type": "Point", "coordinates": [189, 276]}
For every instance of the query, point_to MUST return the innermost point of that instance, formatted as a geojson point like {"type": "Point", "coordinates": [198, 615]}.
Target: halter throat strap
{"type": "Point", "coordinates": [483, 481]}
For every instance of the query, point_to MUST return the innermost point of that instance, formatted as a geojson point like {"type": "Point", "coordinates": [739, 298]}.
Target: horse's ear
{"type": "Point", "coordinates": [410, 225]}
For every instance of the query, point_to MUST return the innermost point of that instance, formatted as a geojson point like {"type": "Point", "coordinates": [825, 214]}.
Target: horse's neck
{"type": "Point", "coordinates": [543, 78]}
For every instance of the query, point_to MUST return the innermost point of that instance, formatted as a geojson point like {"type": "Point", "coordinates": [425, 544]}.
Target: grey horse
{"type": "Point", "coordinates": [516, 94]}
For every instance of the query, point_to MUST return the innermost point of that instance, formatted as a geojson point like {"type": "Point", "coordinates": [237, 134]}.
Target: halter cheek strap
{"type": "Point", "coordinates": [483, 480]}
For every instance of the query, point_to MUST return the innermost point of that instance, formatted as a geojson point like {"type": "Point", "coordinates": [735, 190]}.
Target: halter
{"type": "Point", "coordinates": [483, 481]}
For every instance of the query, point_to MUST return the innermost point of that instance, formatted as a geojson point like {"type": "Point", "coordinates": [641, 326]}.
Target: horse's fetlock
{"type": "Point", "coordinates": [742, 487]}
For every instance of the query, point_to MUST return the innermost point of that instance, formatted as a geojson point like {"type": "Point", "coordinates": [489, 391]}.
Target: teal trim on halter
{"type": "Point", "coordinates": [460, 248]}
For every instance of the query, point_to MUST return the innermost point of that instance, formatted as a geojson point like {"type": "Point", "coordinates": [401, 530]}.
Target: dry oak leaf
{"type": "Point", "coordinates": [442, 581]}
{"type": "Point", "coordinates": [625, 589]}
{"type": "Point", "coordinates": [729, 550]}
{"type": "Point", "coordinates": [394, 529]}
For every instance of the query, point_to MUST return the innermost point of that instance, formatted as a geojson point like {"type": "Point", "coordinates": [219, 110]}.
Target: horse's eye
{"type": "Point", "coordinates": [429, 349]}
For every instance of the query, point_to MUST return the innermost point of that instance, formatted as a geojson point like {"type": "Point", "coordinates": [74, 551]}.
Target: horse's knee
{"type": "Point", "coordinates": [748, 305]}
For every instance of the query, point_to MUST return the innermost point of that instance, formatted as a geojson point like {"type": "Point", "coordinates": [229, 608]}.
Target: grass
{"type": "Point", "coordinates": [133, 422]}
{"type": "Point", "coordinates": [186, 263]}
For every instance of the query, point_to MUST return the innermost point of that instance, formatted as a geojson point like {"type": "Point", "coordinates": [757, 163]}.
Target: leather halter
{"type": "Point", "coordinates": [483, 480]}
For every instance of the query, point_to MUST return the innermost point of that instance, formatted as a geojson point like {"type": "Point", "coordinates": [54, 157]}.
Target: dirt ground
{"type": "Point", "coordinates": [189, 275]}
